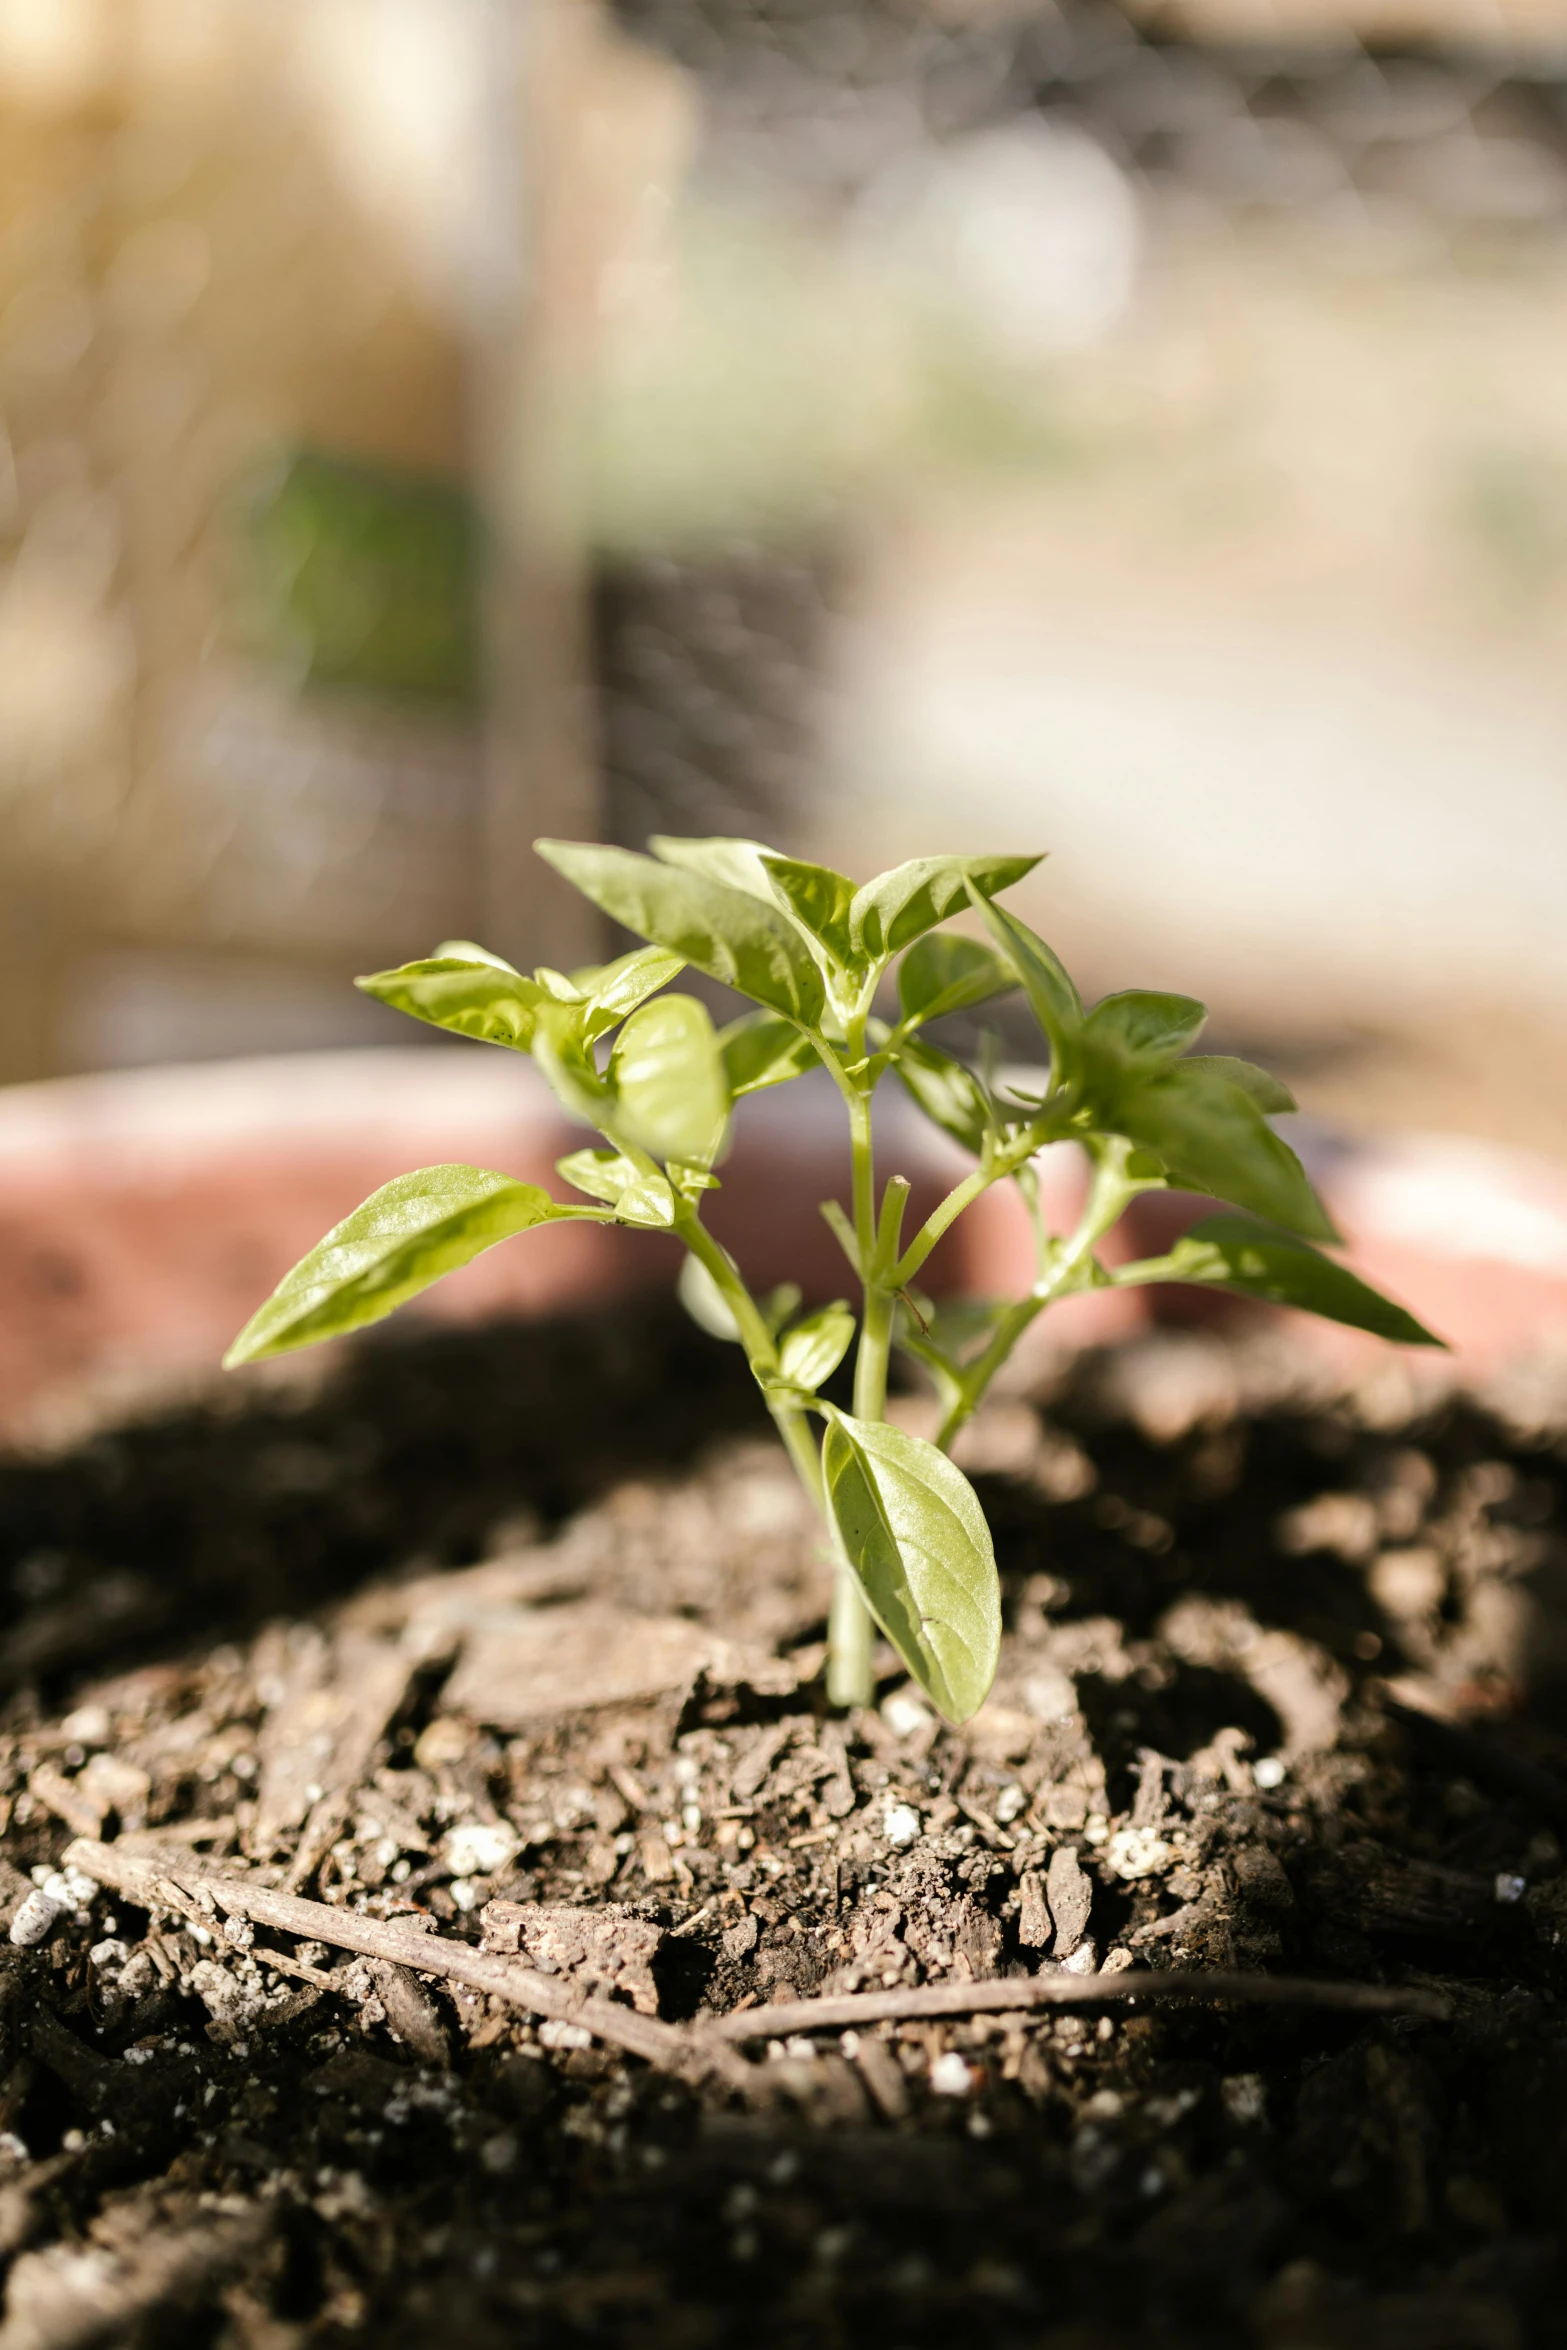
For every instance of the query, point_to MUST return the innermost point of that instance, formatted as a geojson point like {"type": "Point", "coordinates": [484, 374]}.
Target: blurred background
{"type": "Point", "coordinates": [1138, 431]}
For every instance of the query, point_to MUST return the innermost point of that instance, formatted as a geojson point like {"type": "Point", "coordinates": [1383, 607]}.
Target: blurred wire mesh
{"type": "Point", "coordinates": [1132, 430]}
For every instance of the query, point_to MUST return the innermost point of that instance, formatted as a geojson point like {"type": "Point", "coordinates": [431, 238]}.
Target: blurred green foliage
{"type": "Point", "coordinates": [362, 577]}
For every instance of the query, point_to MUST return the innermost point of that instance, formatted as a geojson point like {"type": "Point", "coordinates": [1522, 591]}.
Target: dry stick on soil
{"type": "Point", "coordinates": [168, 1881]}
{"type": "Point", "coordinates": [147, 1881]}
{"type": "Point", "coordinates": [1127, 1989]}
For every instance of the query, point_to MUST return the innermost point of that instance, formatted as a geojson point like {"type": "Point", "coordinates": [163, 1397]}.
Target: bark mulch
{"type": "Point", "coordinates": [442, 1909]}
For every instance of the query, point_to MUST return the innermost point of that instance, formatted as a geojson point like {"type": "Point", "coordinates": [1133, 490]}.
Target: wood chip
{"type": "Point", "coordinates": [119, 1788]}
{"type": "Point", "coordinates": [535, 1665]}
{"type": "Point", "coordinates": [658, 1862]}
{"type": "Point", "coordinates": [884, 2078]}
{"type": "Point", "coordinates": [68, 1800]}
{"type": "Point", "coordinates": [411, 2014]}
{"type": "Point", "coordinates": [607, 1949]}
{"type": "Point", "coordinates": [1071, 1899]}
{"type": "Point", "coordinates": [1034, 1922]}
{"type": "Point", "coordinates": [319, 1742]}
{"type": "Point", "coordinates": [221, 1832]}
{"type": "Point", "coordinates": [752, 1769]}
{"type": "Point", "coordinates": [837, 1793]}
{"type": "Point", "coordinates": [427, 1605]}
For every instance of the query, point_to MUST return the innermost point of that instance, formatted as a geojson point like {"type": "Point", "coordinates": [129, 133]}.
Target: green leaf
{"type": "Point", "coordinates": [725, 932]}
{"type": "Point", "coordinates": [813, 1349]}
{"type": "Point", "coordinates": [667, 1075]}
{"type": "Point", "coordinates": [944, 972]}
{"type": "Point", "coordinates": [708, 1307]}
{"type": "Point", "coordinates": [557, 986]}
{"type": "Point", "coordinates": [818, 898]}
{"type": "Point", "coordinates": [474, 997]}
{"type": "Point", "coordinates": [1271, 1096]}
{"type": "Point", "coordinates": [611, 990]}
{"type": "Point", "coordinates": [464, 950]}
{"type": "Point", "coordinates": [892, 911]}
{"type": "Point", "coordinates": [1140, 1025]}
{"type": "Point", "coordinates": [913, 1531]}
{"type": "Point", "coordinates": [1210, 1136]}
{"type": "Point", "coordinates": [950, 1095]}
{"type": "Point", "coordinates": [601, 1174]}
{"type": "Point", "coordinates": [705, 1302]}
{"type": "Point", "coordinates": [760, 1049]}
{"type": "Point", "coordinates": [405, 1236]}
{"type": "Point", "coordinates": [631, 1184]}
{"type": "Point", "coordinates": [1231, 1252]}
{"type": "Point", "coordinates": [1053, 1000]}
{"type": "Point", "coordinates": [565, 1059]}
{"type": "Point", "coordinates": [649, 1204]}
{"type": "Point", "coordinates": [735, 862]}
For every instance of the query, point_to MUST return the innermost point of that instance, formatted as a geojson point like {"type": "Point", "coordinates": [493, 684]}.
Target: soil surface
{"type": "Point", "coordinates": [515, 1636]}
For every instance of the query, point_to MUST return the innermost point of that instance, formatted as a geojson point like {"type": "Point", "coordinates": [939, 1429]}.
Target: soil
{"type": "Point", "coordinates": [516, 1635]}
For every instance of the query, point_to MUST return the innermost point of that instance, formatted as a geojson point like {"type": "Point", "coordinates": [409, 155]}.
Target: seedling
{"type": "Point", "coordinates": [650, 1072]}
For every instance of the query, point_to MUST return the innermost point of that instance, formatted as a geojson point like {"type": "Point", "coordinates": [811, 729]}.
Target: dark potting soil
{"type": "Point", "coordinates": [516, 1633]}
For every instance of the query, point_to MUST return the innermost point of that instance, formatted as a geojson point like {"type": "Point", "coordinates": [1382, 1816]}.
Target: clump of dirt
{"type": "Point", "coordinates": [514, 1638]}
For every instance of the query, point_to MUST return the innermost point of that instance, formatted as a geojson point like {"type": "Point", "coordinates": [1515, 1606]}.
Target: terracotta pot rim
{"type": "Point", "coordinates": [144, 1213]}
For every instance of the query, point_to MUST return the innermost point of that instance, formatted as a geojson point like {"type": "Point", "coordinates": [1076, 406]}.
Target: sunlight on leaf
{"type": "Point", "coordinates": [405, 1236]}
{"type": "Point", "coordinates": [915, 1535]}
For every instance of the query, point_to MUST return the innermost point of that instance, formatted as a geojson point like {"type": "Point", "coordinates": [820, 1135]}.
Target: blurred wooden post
{"type": "Point", "coordinates": [583, 124]}
{"type": "Point", "coordinates": [540, 766]}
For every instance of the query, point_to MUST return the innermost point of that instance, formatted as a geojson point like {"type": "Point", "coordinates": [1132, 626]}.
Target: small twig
{"type": "Point", "coordinates": [698, 1917]}
{"type": "Point", "coordinates": [170, 1881]}
{"type": "Point", "coordinates": [1125, 1989]}
{"type": "Point", "coordinates": [284, 1963]}
{"type": "Point", "coordinates": [988, 1826]}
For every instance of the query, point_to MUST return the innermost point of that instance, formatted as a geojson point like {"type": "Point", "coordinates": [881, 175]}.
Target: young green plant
{"type": "Point", "coordinates": [813, 952]}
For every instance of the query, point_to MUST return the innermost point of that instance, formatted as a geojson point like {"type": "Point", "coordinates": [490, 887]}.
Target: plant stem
{"type": "Point", "coordinates": [851, 1634]}
{"type": "Point", "coordinates": [863, 1161]}
{"type": "Point", "coordinates": [788, 1417]}
{"type": "Point", "coordinates": [946, 1212]}
{"type": "Point", "coordinates": [981, 1371]}
{"type": "Point", "coordinates": [755, 1336]}
{"type": "Point", "coordinates": [851, 1640]}
{"type": "Point", "coordinates": [875, 1350]}
{"type": "Point", "coordinates": [1070, 1266]}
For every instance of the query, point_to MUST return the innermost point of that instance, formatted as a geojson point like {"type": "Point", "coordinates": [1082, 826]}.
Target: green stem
{"type": "Point", "coordinates": [1069, 1269]}
{"type": "Point", "coordinates": [851, 1633]}
{"type": "Point", "coordinates": [945, 1214]}
{"type": "Point", "coordinates": [941, 1218]}
{"type": "Point", "coordinates": [863, 1161]}
{"type": "Point", "coordinates": [851, 1643]}
{"type": "Point", "coordinates": [870, 1364]}
{"type": "Point", "coordinates": [755, 1336]}
{"type": "Point", "coordinates": [788, 1417]}
{"type": "Point", "coordinates": [984, 1368]}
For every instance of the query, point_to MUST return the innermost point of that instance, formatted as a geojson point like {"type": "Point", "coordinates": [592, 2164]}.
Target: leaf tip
{"type": "Point", "coordinates": [557, 852]}
{"type": "Point", "coordinates": [1421, 1336]}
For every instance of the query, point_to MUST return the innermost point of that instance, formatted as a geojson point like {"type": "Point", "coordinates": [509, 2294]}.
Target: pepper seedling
{"type": "Point", "coordinates": [647, 1069]}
